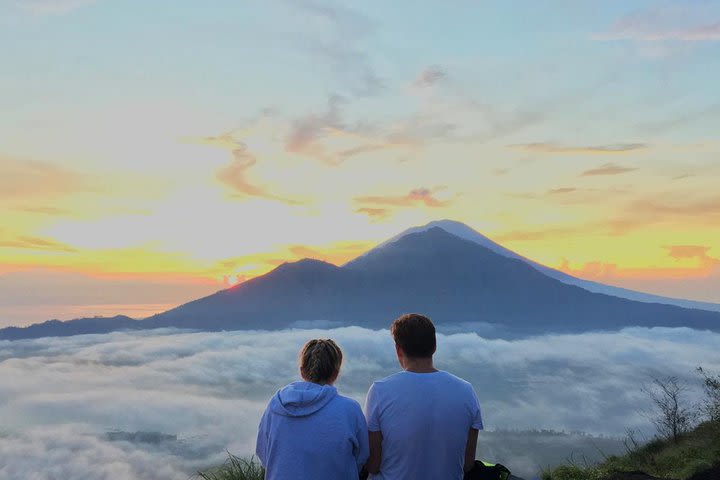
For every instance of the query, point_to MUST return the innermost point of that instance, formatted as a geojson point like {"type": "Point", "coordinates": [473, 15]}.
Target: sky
{"type": "Point", "coordinates": [210, 390]}
{"type": "Point", "coordinates": [149, 156]}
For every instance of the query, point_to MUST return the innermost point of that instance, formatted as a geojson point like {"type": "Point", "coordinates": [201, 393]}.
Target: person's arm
{"type": "Point", "coordinates": [373, 464]}
{"type": "Point", "coordinates": [362, 448]}
{"type": "Point", "coordinates": [470, 448]}
{"type": "Point", "coordinates": [374, 432]}
{"type": "Point", "coordinates": [262, 440]}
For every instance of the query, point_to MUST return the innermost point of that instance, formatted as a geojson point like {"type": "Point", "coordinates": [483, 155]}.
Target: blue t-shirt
{"type": "Point", "coordinates": [309, 432]}
{"type": "Point", "coordinates": [424, 419]}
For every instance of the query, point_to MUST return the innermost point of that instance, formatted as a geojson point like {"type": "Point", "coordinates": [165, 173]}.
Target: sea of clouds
{"type": "Point", "coordinates": [60, 396]}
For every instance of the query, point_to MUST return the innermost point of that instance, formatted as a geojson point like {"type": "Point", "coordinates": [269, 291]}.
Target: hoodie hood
{"type": "Point", "coordinates": [300, 399]}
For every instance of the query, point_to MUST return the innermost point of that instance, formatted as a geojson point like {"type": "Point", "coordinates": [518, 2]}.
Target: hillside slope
{"type": "Point", "coordinates": [696, 456]}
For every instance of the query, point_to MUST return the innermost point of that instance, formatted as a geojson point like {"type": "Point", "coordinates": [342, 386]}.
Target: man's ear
{"type": "Point", "coordinates": [400, 354]}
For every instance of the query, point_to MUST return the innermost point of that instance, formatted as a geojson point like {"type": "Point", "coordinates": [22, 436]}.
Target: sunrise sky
{"type": "Point", "coordinates": [154, 152]}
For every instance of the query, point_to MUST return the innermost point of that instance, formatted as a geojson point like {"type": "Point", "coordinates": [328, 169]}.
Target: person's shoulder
{"type": "Point", "coordinates": [389, 380]}
{"type": "Point", "coordinates": [349, 403]}
{"type": "Point", "coordinates": [351, 407]}
{"type": "Point", "coordinates": [455, 380]}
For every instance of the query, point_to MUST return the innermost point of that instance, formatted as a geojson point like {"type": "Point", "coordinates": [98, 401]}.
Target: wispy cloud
{"type": "Point", "coordinates": [571, 195]}
{"type": "Point", "coordinates": [579, 149]}
{"type": "Point", "coordinates": [340, 43]}
{"type": "Point", "coordinates": [703, 267]}
{"type": "Point", "coordinates": [561, 191]}
{"type": "Point", "coordinates": [376, 213]}
{"type": "Point", "coordinates": [235, 175]}
{"type": "Point", "coordinates": [418, 196]}
{"type": "Point", "coordinates": [705, 207]}
{"type": "Point", "coordinates": [607, 169]}
{"type": "Point", "coordinates": [44, 210]}
{"type": "Point", "coordinates": [672, 122]}
{"type": "Point", "coordinates": [691, 251]}
{"type": "Point", "coordinates": [34, 180]}
{"type": "Point", "coordinates": [685, 24]}
{"type": "Point", "coordinates": [430, 76]}
{"type": "Point", "coordinates": [307, 130]}
{"type": "Point", "coordinates": [325, 136]}
{"type": "Point", "coordinates": [35, 243]}
{"type": "Point", "coordinates": [683, 209]}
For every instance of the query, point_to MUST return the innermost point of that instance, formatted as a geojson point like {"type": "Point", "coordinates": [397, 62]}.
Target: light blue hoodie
{"type": "Point", "coordinates": [309, 432]}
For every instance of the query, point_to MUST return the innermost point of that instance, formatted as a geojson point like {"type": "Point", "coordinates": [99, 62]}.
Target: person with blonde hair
{"type": "Point", "coordinates": [308, 430]}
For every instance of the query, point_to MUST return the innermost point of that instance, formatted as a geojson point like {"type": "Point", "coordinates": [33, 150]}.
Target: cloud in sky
{"type": "Point", "coordinates": [376, 213]}
{"type": "Point", "coordinates": [42, 210]}
{"type": "Point", "coordinates": [307, 130]}
{"type": "Point", "coordinates": [430, 76]}
{"type": "Point", "coordinates": [580, 149]}
{"type": "Point", "coordinates": [682, 120]}
{"type": "Point", "coordinates": [418, 196]}
{"type": "Point", "coordinates": [684, 23]}
{"type": "Point", "coordinates": [561, 191]}
{"type": "Point", "coordinates": [35, 243]}
{"type": "Point", "coordinates": [607, 169]}
{"type": "Point", "coordinates": [23, 180]}
{"type": "Point", "coordinates": [235, 175]}
{"type": "Point", "coordinates": [708, 207]}
{"type": "Point", "coordinates": [326, 137]}
{"type": "Point", "coordinates": [339, 40]}
{"type": "Point", "coordinates": [62, 394]}
{"type": "Point", "coordinates": [694, 273]}
{"type": "Point", "coordinates": [690, 251]}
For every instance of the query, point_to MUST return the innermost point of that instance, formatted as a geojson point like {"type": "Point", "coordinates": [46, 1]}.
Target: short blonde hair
{"type": "Point", "coordinates": [320, 360]}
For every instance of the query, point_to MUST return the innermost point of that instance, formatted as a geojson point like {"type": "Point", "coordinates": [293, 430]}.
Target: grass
{"type": "Point", "coordinates": [235, 468]}
{"type": "Point", "coordinates": [694, 452]}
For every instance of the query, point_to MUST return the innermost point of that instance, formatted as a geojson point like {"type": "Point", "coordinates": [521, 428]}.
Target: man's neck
{"type": "Point", "coordinates": [419, 365]}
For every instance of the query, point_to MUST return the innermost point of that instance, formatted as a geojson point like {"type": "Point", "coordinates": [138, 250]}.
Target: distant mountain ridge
{"type": "Point", "coordinates": [429, 269]}
{"type": "Point", "coordinates": [80, 326]}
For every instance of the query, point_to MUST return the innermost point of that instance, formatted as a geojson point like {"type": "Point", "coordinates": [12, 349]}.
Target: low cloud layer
{"type": "Point", "coordinates": [59, 396]}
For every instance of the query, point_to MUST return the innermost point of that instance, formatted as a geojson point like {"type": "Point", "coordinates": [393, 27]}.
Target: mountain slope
{"type": "Point", "coordinates": [463, 231]}
{"type": "Point", "coordinates": [452, 279]}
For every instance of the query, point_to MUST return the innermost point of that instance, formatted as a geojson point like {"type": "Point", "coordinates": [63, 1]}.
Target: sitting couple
{"type": "Point", "coordinates": [422, 423]}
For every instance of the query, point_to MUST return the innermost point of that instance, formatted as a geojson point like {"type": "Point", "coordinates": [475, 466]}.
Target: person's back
{"type": "Point", "coordinates": [308, 430]}
{"type": "Point", "coordinates": [423, 422]}
{"type": "Point", "coordinates": [311, 432]}
{"type": "Point", "coordinates": [424, 419]}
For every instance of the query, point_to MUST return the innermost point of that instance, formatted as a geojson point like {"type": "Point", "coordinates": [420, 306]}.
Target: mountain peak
{"type": "Point", "coordinates": [309, 265]}
{"type": "Point", "coordinates": [453, 227]}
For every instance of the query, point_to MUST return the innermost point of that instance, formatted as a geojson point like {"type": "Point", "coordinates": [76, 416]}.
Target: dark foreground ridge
{"type": "Point", "coordinates": [452, 279]}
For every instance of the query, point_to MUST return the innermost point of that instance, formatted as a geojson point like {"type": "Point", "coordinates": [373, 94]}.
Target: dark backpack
{"type": "Point", "coordinates": [487, 471]}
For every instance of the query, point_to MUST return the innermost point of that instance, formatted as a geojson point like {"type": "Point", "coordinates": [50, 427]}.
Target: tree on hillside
{"type": "Point", "coordinates": [672, 418]}
{"type": "Point", "coordinates": [711, 386]}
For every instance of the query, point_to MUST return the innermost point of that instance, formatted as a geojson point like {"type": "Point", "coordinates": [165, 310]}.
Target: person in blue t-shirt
{"type": "Point", "coordinates": [309, 431]}
{"type": "Point", "coordinates": [423, 423]}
